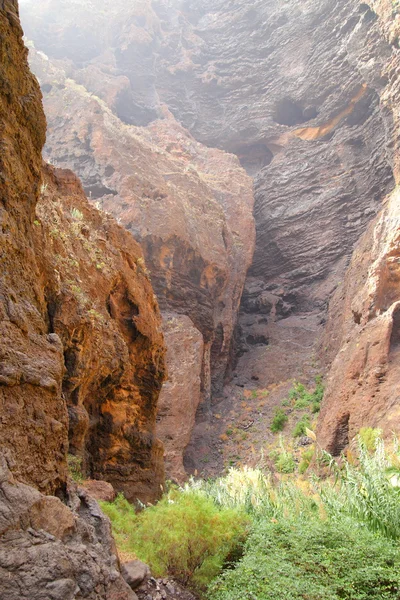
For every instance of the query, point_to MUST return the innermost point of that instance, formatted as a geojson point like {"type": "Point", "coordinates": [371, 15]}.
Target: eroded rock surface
{"type": "Point", "coordinates": [182, 393]}
{"type": "Point", "coordinates": [33, 426]}
{"type": "Point", "coordinates": [102, 307]}
{"type": "Point", "coordinates": [362, 332]}
{"type": "Point", "coordinates": [305, 94]}
{"type": "Point", "coordinates": [50, 550]}
{"type": "Point", "coordinates": [74, 293]}
{"type": "Point", "coordinates": [189, 206]}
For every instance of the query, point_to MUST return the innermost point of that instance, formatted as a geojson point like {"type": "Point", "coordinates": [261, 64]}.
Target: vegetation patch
{"type": "Point", "coordinates": [185, 536]}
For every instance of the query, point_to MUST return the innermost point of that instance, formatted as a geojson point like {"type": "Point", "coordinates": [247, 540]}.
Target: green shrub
{"type": "Point", "coordinates": [279, 420]}
{"type": "Point", "coordinates": [301, 426]}
{"type": "Point", "coordinates": [185, 536]}
{"type": "Point", "coordinates": [306, 459]}
{"type": "Point", "coordinates": [123, 520]}
{"type": "Point", "coordinates": [305, 399]}
{"type": "Point", "coordinates": [285, 462]}
{"type": "Point", "coordinates": [312, 559]}
{"type": "Point", "coordinates": [370, 437]}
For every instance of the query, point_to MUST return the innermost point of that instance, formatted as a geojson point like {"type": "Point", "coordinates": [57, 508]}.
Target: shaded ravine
{"type": "Point", "coordinates": [294, 91]}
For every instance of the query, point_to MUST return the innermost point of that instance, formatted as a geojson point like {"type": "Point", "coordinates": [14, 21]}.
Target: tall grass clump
{"type": "Point", "coordinates": [365, 490]}
{"type": "Point", "coordinates": [185, 536]}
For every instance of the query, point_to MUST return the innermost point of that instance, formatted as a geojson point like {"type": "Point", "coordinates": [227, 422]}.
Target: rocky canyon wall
{"type": "Point", "coordinates": [81, 356]}
{"type": "Point", "coordinates": [189, 206]}
{"type": "Point", "coordinates": [362, 332]}
{"type": "Point", "coordinates": [304, 93]}
{"type": "Point", "coordinates": [82, 348]}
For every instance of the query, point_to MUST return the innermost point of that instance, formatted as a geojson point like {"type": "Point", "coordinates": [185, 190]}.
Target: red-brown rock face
{"type": "Point", "coordinates": [305, 94]}
{"type": "Point", "coordinates": [79, 334]}
{"type": "Point", "coordinates": [362, 332]}
{"type": "Point", "coordinates": [189, 206]}
{"type": "Point", "coordinates": [33, 426]}
{"type": "Point", "coordinates": [74, 291]}
{"type": "Point", "coordinates": [182, 393]}
{"type": "Point", "coordinates": [102, 307]}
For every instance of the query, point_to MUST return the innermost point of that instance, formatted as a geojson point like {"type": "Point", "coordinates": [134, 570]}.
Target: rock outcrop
{"type": "Point", "coordinates": [261, 82]}
{"type": "Point", "coordinates": [55, 550]}
{"type": "Point", "coordinates": [81, 360]}
{"type": "Point", "coordinates": [189, 206]}
{"type": "Point", "coordinates": [362, 332]}
{"type": "Point", "coordinates": [33, 426]}
{"type": "Point", "coordinates": [73, 291]}
{"type": "Point", "coordinates": [102, 308]}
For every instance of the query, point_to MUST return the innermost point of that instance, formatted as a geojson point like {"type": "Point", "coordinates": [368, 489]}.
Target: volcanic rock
{"type": "Point", "coordinates": [51, 550]}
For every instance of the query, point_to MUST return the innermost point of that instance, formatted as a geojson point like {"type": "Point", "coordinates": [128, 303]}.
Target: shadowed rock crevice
{"type": "Point", "coordinates": [340, 437]}
{"type": "Point", "coordinates": [288, 112]}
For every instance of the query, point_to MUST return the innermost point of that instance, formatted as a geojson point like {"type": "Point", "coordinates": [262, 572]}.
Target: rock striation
{"type": "Point", "coordinates": [305, 94]}
{"type": "Point", "coordinates": [362, 332]}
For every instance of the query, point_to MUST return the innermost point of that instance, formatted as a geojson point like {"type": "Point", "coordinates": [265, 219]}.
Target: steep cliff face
{"type": "Point", "coordinates": [292, 89]}
{"type": "Point", "coordinates": [33, 416]}
{"type": "Point", "coordinates": [305, 94]}
{"type": "Point", "coordinates": [362, 332]}
{"type": "Point", "coordinates": [81, 355]}
{"type": "Point", "coordinates": [73, 290]}
{"type": "Point", "coordinates": [102, 307]}
{"type": "Point", "coordinates": [189, 206]}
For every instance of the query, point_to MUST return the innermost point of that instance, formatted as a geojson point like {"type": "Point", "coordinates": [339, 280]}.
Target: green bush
{"type": "Point", "coordinates": [279, 420]}
{"type": "Point", "coordinates": [304, 399]}
{"type": "Point", "coordinates": [306, 459]}
{"type": "Point", "coordinates": [312, 559]}
{"type": "Point", "coordinates": [185, 535]}
{"type": "Point", "coordinates": [285, 463]}
{"type": "Point", "coordinates": [370, 437]}
{"type": "Point", "coordinates": [301, 426]}
{"type": "Point", "coordinates": [123, 520]}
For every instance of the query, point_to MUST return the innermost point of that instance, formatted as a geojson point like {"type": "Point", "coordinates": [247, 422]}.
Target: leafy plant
{"type": "Point", "coordinates": [306, 459]}
{"type": "Point", "coordinates": [185, 536]}
{"type": "Point", "coordinates": [75, 468]}
{"type": "Point", "coordinates": [285, 462]}
{"type": "Point", "coordinates": [279, 420]}
{"type": "Point", "coordinates": [76, 214]}
{"type": "Point", "coordinates": [302, 398]}
{"type": "Point", "coordinates": [298, 558]}
{"type": "Point", "coordinates": [301, 426]}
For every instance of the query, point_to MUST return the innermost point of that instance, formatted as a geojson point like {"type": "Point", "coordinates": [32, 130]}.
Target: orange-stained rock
{"type": "Point", "coordinates": [181, 393]}
{"type": "Point", "coordinates": [73, 292]}
{"type": "Point", "coordinates": [189, 206]}
{"type": "Point", "coordinates": [33, 423]}
{"type": "Point", "coordinates": [102, 307]}
{"type": "Point", "coordinates": [362, 333]}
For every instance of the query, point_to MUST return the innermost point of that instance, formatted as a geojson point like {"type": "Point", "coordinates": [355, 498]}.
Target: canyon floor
{"type": "Point", "coordinates": [234, 430]}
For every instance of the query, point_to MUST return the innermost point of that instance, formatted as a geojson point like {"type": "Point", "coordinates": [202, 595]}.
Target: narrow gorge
{"type": "Point", "coordinates": [209, 218]}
